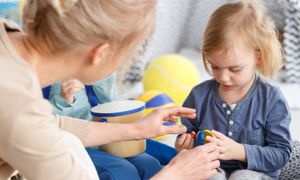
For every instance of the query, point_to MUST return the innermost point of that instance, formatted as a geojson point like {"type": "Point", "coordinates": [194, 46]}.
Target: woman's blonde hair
{"type": "Point", "coordinates": [248, 21]}
{"type": "Point", "coordinates": [59, 25]}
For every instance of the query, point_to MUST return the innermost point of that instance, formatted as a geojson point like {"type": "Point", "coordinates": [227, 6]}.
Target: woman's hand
{"type": "Point", "coordinates": [152, 124]}
{"type": "Point", "coordinates": [198, 163]}
{"type": "Point", "coordinates": [69, 88]}
{"type": "Point", "coordinates": [228, 148]}
{"type": "Point", "coordinates": [185, 141]}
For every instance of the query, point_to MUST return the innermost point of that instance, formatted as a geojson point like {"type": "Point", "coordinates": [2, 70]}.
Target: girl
{"type": "Point", "coordinates": [249, 117]}
{"type": "Point", "coordinates": [85, 40]}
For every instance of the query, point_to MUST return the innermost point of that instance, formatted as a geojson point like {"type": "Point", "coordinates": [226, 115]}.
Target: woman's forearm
{"type": "Point", "coordinates": [104, 133]}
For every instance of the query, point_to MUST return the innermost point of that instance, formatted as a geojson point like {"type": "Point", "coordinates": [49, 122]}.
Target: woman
{"type": "Point", "coordinates": [81, 39]}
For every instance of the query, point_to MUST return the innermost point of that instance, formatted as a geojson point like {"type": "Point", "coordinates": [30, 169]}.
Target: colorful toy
{"type": "Point", "coordinates": [200, 137]}
{"type": "Point", "coordinates": [156, 99]}
{"type": "Point", "coordinates": [171, 74]}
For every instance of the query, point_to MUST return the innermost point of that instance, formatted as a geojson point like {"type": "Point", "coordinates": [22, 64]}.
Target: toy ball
{"type": "Point", "coordinates": [155, 99]}
{"type": "Point", "coordinates": [200, 137]}
{"type": "Point", "coordinates": [171, 74]}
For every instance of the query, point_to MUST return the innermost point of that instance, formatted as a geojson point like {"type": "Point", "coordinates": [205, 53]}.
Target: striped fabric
{"type": "Point", "coordinates": [291, 169]}
{"type": "Point", "coordinates": [291, 42]}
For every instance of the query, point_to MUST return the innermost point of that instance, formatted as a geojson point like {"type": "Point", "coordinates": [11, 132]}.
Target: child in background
{"type": "Point", "coordinates": [249, 117]}
{"type": "Point", "coordinates": [73, 98]}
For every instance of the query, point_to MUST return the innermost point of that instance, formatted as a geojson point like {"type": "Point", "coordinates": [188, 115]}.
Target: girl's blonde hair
{"type": "Point", "coordinates": [245, 20]}
{"type": "Point", "coordinates": [59, 25]}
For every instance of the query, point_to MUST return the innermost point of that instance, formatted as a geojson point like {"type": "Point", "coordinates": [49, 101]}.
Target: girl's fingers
{"type": "Point", "coordinates": [181, 139]}
{"type": "Point", "coordinates": [219, 142]}
{"type": "Point", "coordinates": [209, 147]}
{"type": "Point", "coordinates": [221, 149]}
{"type": "Point", "coordinates": [222, 156]}
{"type": "Point", "coordinates": [218, 134]}
{"type": "Point", "coordinates": [191, 145]}
{"type": "Point", "coordinates": [187, 141]}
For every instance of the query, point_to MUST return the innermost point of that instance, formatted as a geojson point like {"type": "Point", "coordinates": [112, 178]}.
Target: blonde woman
{"type": "Point", "coordinates": [249, 117]}
{"type": "Point", "coordinates": [86, 40]}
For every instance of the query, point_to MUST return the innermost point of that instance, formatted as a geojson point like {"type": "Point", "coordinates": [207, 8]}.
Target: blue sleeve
{"type": "Point", "coordinates": [105, 89]}
{"type": "Point", "coordinates": [278, 146]}
{"type": "Point", "coordinates": [190, 123]}
{"type": "Point", "coordinates": [61, 106]}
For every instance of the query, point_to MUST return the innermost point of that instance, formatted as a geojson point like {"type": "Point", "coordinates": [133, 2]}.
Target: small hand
{"type": "Point", "coordinates": [228, 148]}
{"type": "Point", "coordinates": [69, 88]}
{"type": "Point", "coordinates": [152, 124]}
{"type": "Point", "coordinates": [185, 141]}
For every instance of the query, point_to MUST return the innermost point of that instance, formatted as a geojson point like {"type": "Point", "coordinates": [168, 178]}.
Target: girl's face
{"type": "Point", "coordinates": [234, 69]}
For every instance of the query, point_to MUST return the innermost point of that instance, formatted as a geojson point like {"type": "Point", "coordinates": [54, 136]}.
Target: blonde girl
{"type": "Point", "coordinates": [248, 116]}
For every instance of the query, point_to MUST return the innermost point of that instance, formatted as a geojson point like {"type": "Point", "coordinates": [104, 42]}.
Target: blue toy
{"type": "Point", "coordinates": [200, 137]}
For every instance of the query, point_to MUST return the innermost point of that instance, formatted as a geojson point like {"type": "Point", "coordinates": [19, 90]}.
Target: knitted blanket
{"type": "Point", "coordinates": [292, 168]}
{"type": "Point", "coordinates": [291, 42]}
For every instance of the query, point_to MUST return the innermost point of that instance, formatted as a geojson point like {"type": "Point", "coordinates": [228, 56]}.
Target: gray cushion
{"type": "Point", "coordinates": [292, 169]}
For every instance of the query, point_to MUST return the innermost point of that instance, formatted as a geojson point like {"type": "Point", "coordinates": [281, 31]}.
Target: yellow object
{"type": "Point", "coordinates": [155, 99]}
{"type": "Point", "coordinates": [206, 133]}
{"type": "Point", "coordinates": [21, 6]}
{"type": "Point", "coordinates": [171, 74]}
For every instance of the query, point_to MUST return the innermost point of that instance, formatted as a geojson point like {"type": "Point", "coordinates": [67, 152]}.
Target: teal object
{"type": "Point", "coordinates": [11, 10]}
{"type": "Point", "coordinates": [103, 91]}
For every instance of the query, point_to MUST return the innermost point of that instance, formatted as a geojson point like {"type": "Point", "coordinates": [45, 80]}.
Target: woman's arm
{"type": "Point", "coordinates": [150, 126]}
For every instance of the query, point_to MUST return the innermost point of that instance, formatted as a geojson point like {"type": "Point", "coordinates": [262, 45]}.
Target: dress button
{"type": "Point", "coordinates": [228, 112]}
{"type": "Point", "coordinates": [230, 133]}
{"type": "Point", "coordinates": [231, 122]}
{"type": "Point", "coordinates": [224, 105]}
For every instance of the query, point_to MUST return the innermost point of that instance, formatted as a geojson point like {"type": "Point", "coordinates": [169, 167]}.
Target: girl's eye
{"type": "Point", "coordinates": [235, 70]}
{"type": "Point", "coordinates": [214, 67]}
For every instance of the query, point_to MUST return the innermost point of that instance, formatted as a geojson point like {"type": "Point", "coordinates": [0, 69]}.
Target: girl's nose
{"type": "Point", "coordinates": [224, 77]}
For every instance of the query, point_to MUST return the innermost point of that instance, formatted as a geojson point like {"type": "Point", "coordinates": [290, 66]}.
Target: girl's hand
{"type": "Point", "coordinates": [69, 88]}
{"type": "Point", "coordinates": [185, 141]}
{"type": "Point", "coordinates": [152, 124]}
{"type": "Point", "coordinates": [228, 148]}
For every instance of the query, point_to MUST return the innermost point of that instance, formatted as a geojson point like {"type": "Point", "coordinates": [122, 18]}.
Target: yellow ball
{"type": "Point", "coordinates": [171, 74]}
{"type": "Point", "coordinates": [155, 99]}
{"type": "Point", "coordinates": [21, 6]}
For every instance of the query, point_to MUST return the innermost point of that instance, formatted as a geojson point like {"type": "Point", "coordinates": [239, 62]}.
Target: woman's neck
{"type": "Point", "coordinates": [48, 68]}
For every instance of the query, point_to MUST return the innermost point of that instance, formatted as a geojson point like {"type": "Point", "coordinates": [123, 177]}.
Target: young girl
{"type": "Point", "coordinates": [249, 117]}
{"type": "Point", "coordinates": [85, 40]}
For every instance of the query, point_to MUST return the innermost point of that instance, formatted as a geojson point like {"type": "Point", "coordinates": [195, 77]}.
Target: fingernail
{"type": "Point", "coordinates": [183, 128]}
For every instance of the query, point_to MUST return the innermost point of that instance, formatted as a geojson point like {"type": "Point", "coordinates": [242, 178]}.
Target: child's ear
{"type": "Point", "coordinates": [258, 59]}
{"type": "Point", "coordinates": [98, 53]}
